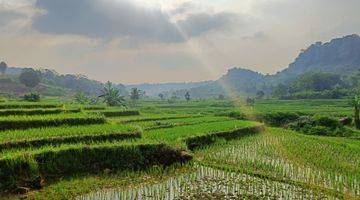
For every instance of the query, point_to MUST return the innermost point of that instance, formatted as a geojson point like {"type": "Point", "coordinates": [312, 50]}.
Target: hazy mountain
{"type": "Point", "coordinates": [340, 56]}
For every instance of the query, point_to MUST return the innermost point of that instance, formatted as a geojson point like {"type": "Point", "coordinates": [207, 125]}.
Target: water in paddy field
{"type": "Point", "coordinates": [209, 183]}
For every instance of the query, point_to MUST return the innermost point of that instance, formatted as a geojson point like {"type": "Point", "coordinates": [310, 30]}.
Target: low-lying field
{"type": "Point", "coordinates": [157, 150]}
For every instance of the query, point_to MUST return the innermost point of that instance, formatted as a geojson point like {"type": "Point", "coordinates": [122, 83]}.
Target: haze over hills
{"type": "Point", "coordinates": [340, 56]}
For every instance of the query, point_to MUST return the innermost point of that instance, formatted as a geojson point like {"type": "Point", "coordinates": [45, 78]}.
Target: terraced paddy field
{"type": "Point", "coordinates": [157, 150]}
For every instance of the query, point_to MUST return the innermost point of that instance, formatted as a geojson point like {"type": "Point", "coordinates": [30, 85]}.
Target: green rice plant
{"type": "Point", "coordinates": [120, 113]}
{"type": "Point", "coordinates": [10, 112]}
{"type": "Point", "coordinates": [48, 163]}
{"type": "Point", "coordinates": [290, 157]}
{"type": "Point", "coordinates": [25, 122]}
{"type": "Point", "coordinates": [94, 108]}
{"type": "Point", "coordinates": [169, 123]}
{"type": "Point", "coordinates": [23, 105]}
{"type": "Point", "coordinates": [178, 135]}
{"type": "Point", "coordinates": [209, 183]}
{"type": "Point", "coordinates": [66, 134]}
{"type": "Point", "coordinates": [196, 142]}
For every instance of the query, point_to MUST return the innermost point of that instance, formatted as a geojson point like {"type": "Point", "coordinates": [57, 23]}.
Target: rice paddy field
{"type": "Point", "coordinates": [182, 150]}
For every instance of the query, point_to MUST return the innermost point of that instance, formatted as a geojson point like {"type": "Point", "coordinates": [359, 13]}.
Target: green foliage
{"type": "Point", "coordinates": [232, 114]}
{"type": "Point", "coordinates": [135, 94]}
{"type": "Point", "coordinates": [112, 96]}
{"type": "Point", "coordinates": [320, 125]}
{"type": "Point", "coordinates": [30, 77]}
{"type": "Point", "coordinates": [81, 98]}
{"type": "Point", "coordinates": [314, 85]}
{"type": "Point", "coordinates": [32, 97]}
{"type": "Point", "coordinates": [278, 118]}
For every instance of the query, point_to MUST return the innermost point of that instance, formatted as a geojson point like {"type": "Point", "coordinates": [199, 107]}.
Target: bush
{"type": "Point", "coordinates": [232, 114]}
{"type": "Point", "coordinates": [278, 118]}
{"type": "Point", "coordinates": [320, 125]}
{"type": "Point", "coordinates": [32, 97]}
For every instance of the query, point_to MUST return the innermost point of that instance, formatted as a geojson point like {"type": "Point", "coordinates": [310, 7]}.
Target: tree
{"type": "Point", "coordinates": [161, 96]}
{"type": "Point", "coordinates": [3, 67]}
{"type": "Point", "coordinates": [135, 94]}
{"type": "Point", "coordinates": [250, 101]}
{"type": "Point", "coordinates": [280, 91]}
{"type": "Point", "coordinates": [187, 96]}
{"type": "Point", "coordinates": [260, 94]}
{"type": "Point", "coordinates": [112, 95]}
{"type": "Point", "coordinates": [30, 78]}
{"type": "Point", "coordinates": [356, 104]}
{"type": "Point", "coordinates": [221, 97]}
{"type": "Point", "coordinates": [81, 98]}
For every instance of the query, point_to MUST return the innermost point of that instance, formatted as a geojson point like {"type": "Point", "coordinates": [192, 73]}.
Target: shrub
{"type": "Point", "coordinates": [320, 125]}
{"type": "Point", "coordinates": [232, 114]}
{"type": "Point", "coordinates": [327, 122]}
{"type": "Point", "coordinates": [278, 118]}
{"type": "Point", "coordinates": [32, 97]}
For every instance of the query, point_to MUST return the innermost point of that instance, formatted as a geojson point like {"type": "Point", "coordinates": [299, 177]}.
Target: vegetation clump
{"type": "Point", "coordinates": [320, 125]}
{"type": "Point", "coordinates": [32, 97]}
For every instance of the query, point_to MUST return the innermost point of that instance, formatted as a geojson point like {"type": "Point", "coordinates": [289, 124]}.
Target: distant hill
{"type": "Point", "coordinates": [156, 88]}
{"type": "Point", "coordinates": [53, 83]}
{"type": "Point", "coordinates": [340, 56]}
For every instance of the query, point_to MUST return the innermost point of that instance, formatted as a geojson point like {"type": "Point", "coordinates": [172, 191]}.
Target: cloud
{"type": "Point", "coordinates": [109, 19]}
{"type": "Point", "coordinates": [8, 15]}
{"type": "Point", "coordinates": [196, 24]}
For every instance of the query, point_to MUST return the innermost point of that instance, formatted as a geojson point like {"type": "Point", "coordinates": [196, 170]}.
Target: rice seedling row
{"type": "Point", "coordinates": [18, 112]}
{"type": "Point", "coordinates": [264, 155]}
{"type": "Point", "coordinates": [25, 122]}
{"type": "Point", "coordinates": [209, 183]}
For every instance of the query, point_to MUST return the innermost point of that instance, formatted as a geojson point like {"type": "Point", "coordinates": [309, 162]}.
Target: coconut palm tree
{"type": "Point", "coordinates": [112, 96]}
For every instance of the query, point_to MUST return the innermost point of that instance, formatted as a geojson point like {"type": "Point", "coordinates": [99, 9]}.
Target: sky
{"type": "Point", "coordinates": [137, 41]}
